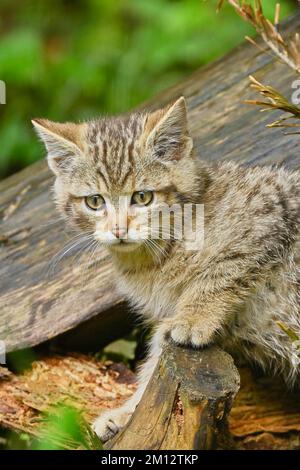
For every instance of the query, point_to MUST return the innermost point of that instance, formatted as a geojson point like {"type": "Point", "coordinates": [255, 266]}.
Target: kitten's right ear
{"type": "Point", "coordinates": [169, 138]}
{"type": "Point", "coordinates": [64, 142]}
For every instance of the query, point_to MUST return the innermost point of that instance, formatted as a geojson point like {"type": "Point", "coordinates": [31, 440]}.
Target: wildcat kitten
{"type": "Point", "coordinates": [233, 290]}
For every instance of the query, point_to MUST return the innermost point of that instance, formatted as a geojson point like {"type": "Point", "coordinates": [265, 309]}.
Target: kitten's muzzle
{"type": "Point", "coordinates": [120, 232]}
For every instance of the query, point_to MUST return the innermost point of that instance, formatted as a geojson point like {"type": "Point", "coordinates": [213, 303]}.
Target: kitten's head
{"type": "Point", "coordinates": [110, 173]}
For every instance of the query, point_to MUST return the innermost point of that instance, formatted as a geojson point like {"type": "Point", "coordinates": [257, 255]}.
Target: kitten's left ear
{"type": "Point", "coordinates": [63, 141]}
{"type": "Point", "coordinates": [169, 136]}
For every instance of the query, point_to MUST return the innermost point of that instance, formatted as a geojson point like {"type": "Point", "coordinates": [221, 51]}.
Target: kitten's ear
{"type": "Point", "coordinates": [64, 142]}
{"type": "Point", "coordinates": [169, 136]}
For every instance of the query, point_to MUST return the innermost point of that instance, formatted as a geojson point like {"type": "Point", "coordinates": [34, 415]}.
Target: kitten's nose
{"type": "Point", "coordinates": [119, 232]}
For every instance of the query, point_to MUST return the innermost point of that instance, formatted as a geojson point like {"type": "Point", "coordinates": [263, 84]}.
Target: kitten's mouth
{"type": "Point", "coordinates": [124, 245]}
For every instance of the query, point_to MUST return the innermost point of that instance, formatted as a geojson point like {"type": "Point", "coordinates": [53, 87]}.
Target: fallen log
{"type": "Point", "coordinates": [35, 306]}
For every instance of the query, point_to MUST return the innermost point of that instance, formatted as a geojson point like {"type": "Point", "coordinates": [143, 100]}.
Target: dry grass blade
{"type": "Point", "coordinates": [275, 101]}
{"type": "Point", "coordinates": [289, 332]}
{"type": "Point", "coordinates": [287, 50]}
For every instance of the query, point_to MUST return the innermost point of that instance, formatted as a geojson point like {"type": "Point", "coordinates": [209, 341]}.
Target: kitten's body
{"type": "Point", "coordinates": [251, 329]}
{"type": "Point", "coordinates": [243, 280]}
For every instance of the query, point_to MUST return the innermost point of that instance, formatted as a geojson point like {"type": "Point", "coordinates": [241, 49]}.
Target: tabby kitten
{"type": "Point", "coordinates": [235, 287]}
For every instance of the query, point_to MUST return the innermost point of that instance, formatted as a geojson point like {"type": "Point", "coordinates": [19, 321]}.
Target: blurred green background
{"type": "Point", "coordinates": [76, 59]}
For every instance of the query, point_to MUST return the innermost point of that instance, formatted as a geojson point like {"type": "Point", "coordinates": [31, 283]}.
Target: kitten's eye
{"type": "Point", "coordinates": [94, 202]}
{"type": "Point", "coordinates": [142, 198]}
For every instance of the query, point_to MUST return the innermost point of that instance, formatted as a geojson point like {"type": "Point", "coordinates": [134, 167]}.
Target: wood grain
{"type": "Point", "coordinates": [265, 414]}
{"type": "Point", "coordinates": [35, 306]}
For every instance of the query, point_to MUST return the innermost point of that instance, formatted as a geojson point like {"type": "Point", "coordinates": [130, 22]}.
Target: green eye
{"type": "Point", "coordinates": [94, 202]}
{"type": "Point", "coordinates": [142, 198]}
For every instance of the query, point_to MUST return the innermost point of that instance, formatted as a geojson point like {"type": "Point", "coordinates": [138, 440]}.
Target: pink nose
{"type": "Point", "coordinates": [119, 232]}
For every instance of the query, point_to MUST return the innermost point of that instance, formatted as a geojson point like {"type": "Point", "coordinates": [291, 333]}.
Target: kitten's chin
{"type": "Point", "coordinates": [124, 247]}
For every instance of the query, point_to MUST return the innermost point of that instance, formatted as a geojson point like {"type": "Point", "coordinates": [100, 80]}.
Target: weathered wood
{"type": "Point", "coordinates": [186, 403]}
{"type": "Point", "coordinates": [35, 307]}
{"type": "Point", "coordinates": [265, 415]}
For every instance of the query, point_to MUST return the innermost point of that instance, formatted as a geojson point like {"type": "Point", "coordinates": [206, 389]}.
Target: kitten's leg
{"type": "Point", "coordinates": [196, 323]}
{"type": "Point", "coordinates": [220, 290]}
{"type": "Point", "coordinates": [111, 421]}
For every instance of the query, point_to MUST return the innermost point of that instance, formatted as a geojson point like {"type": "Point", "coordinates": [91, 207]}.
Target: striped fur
{"type": "Point", "coordinates": [233, 291]}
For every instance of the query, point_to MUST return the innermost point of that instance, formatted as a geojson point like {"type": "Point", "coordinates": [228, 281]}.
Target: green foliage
{"type": "Point", "coordinates": [77, 59]}
{"type": "Point", "coordinates": [21, 360]}
{"type": "Point", "coordinates": [65, 428]}
{"type": "Point", "coordinates": [62, 427]}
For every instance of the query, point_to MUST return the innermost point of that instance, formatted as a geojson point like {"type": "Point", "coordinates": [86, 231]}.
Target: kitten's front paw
{"type": "Point", "coordinates": [110, 422]}
{"type": "Point", "coordinates": [185, 332]}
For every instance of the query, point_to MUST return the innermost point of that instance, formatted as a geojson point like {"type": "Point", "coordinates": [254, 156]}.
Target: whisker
{"type": "Point", "coordinates": [89, 262]}
{"type": "Point", "coordinates": [77, 259]}
{"type": "Point", "coordinates": [156, 249]}
{"type": "Point", "coordinates": [72, 245]}
{"type": "Point", "coordinates": [169, 234]}
{"type": "Point", "coordinates": [150, 248]}
{"type": "Point", "coordinates": [52, 222]}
